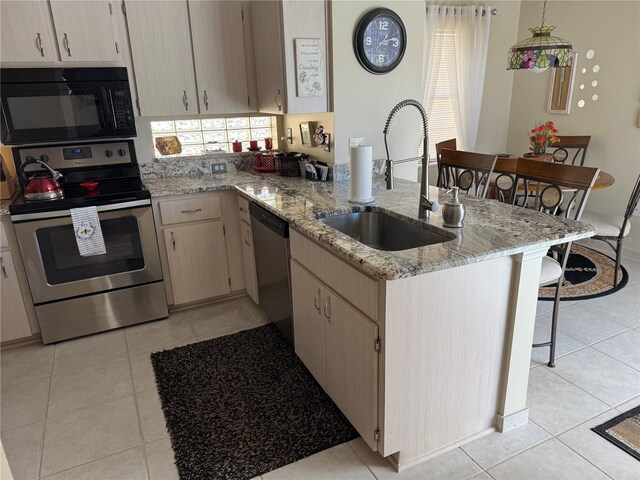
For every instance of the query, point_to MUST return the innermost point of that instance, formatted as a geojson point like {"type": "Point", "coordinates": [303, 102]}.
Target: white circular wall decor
{"type": "Point", "coordinates": [581, 103]}
{"type": "Point", "coordinates": [590, 54]}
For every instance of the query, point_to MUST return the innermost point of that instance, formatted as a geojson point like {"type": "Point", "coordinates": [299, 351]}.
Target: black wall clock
{"type": "Point", "coordinates": [380, 40]}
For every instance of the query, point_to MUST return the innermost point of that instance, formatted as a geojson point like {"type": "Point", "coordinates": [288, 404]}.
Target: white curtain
{"type": "Point", "coordinates": [466, 83]}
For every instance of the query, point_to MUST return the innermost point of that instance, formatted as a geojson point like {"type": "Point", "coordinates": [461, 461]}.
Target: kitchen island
{"type": "Point", "coordinates": [422, 349]}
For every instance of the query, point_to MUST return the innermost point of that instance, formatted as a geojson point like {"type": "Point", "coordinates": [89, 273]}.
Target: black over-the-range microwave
{"type": "Point", "coordinates": [61, 104]}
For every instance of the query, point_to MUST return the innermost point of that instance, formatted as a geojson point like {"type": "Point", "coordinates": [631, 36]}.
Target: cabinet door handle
{"type": "Point", "coordinates": [191, 210]}
{"type": "Point", "coordinates": [67, 45]}
{"type": "Point", "coordinates": [185, 100]}
{"type": "Point", "coordinates": [316, 301]}
{"type": "Point", "coordinates": [205, 99]}
{"type": "Point", "coordinates": [4, 271]}
{"type": "Point", "coordinates": [247, 242]}
{"type": "Point", "coordinates": [173, 241]}
{"type": "Point", "coordinates": [327, 308]}
{"type": "Point", "coordinates": [39, 44]}
{"type": "Point", "coordinates": [243, 210]}
{"type": "Point", "coordinates": [276, 100]}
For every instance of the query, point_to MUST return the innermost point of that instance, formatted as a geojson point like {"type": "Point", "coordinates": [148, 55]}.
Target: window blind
{"type": "Point", "coordinates": [442, 125]}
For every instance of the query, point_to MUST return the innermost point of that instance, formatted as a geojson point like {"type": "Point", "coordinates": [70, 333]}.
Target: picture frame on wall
{"type": "Point", "coordinates": [561, 88]}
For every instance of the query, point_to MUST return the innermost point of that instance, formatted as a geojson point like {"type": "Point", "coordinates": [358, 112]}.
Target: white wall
{"type": "Point", "coordinates": [362, 100]}
{"type": "Point", "coordinates": [610, 28]}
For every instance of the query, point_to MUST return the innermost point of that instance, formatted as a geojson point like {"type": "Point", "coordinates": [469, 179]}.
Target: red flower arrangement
{"type": "Point", "coordinates": [543, 135]}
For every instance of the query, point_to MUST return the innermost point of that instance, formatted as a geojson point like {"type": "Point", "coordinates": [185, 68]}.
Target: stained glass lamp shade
{"type": "Point", "coordinates": [540, 51]}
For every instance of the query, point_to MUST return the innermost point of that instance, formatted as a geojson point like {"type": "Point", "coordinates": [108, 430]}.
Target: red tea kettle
{"type": "Point", "coordinates": [41, 186]}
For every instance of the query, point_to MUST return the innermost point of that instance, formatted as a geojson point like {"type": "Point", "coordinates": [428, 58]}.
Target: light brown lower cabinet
{"type": "Point", "coordinates": [14, 322]}
{"type": "Point", "coordinates": [338, 345]}
{"type": "Point", "coordinates": [249, 261]}
{"type": "Point", "coordinates": [197, 261]}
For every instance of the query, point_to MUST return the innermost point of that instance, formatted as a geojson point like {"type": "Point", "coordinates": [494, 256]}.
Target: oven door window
{"type": "Point", "coordinates": [63, 263]}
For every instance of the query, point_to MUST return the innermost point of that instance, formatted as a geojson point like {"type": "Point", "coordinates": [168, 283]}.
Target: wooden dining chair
{"type": "Point", "coordinates": [612, 229]}
{"type": "Point", "coordinates": [557, 190]}
{"type": "Point", "coordinates": [451, 144]}
{"type": "Point", "coordinates": [504, 172]}
{"type": "Point", "coordinates": [469, 171]}
{"type": "Point", "coordinates": [568, 145]}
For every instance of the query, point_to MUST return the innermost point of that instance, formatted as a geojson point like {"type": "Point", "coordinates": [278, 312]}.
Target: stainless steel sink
{"type": "Point", "coordinates": [385, 232]}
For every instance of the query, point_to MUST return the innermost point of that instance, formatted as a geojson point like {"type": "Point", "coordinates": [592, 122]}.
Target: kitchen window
{"type": "Point", "coordinates": [200, 135]}
{"type": "Point", "coordinates": [442, 125]}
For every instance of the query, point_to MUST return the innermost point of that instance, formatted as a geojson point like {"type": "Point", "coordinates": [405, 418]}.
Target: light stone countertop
{"type": "Point", "coordinates": [492, 229]}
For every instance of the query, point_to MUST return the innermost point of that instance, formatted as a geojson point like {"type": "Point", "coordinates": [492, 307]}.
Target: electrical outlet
{"type": "Point", "coordinates": [356, 142]}
{"type": "Point", "coordinates": [219, 167]}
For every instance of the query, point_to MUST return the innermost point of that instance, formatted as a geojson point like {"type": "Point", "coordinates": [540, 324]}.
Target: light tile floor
{"type": "Point", "coordinates": [88, 408]}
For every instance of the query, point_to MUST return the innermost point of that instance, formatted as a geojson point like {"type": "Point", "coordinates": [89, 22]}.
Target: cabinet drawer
{"type": "Point", "coordinates": [243, 208]}
{"type": "Point", "coordinates": [357, 288]}
{"type": "Point", "coordinates": [190, 210]}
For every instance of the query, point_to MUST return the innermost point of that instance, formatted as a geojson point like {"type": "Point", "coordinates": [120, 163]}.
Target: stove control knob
{"type": "Point", "coordinates": [122, 152]}
{"type": "Point", "coordinates": [108, 153]}
{"type": "Point", "coordinates": [29, 157]}
{"type": "Point", "coordinates": [44, 158]}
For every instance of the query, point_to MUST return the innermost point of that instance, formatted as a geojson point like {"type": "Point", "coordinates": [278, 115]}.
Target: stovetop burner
{"type": "Point", "coordinates": [111, 164]}
{"type": "Point", "coordinates": [75, 197]}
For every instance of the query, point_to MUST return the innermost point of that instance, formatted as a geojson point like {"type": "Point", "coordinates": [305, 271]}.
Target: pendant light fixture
{"type": "Point", "coordinates": [540, 51]}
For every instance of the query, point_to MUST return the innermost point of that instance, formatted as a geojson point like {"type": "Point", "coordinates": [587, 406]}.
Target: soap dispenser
{"type": "Point", "coordinates": [453, 212]}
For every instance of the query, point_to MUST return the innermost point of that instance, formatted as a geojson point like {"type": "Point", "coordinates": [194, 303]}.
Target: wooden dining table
{"type": "Point", "coordinates": [508, 165]}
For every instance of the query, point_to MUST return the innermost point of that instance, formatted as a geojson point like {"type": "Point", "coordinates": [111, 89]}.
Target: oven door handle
{"type": "Point", "coordinates": [67, 213]}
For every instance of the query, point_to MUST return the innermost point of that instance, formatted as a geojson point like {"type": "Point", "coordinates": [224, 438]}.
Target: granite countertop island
{"type": "Point", "coordinates": [491, 229]}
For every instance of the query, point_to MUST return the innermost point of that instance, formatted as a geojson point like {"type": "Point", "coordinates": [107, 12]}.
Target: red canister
{"type": "Point", "coordinates": [237, 146]}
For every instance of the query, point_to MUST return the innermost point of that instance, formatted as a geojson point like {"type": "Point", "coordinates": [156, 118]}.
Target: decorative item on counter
{"type": "Point", "coordinates": [268, 143]}
{"type": "Point", "coordinates": [288, 163]}
{"type": "Point", "coordinates": [542, 136]}
{"type": "Point", "coordinates": [168, 145]}
{"type": "Point", "coordinates": [265, 162]}
{"type": "Point", "coordinates": [323, 171]}
{"type": "Point", "coordinates": [236, 146]}
{"type": "Point", "coordinates": [311, 172]}
{"type": "Point", "coordinates": [213, 146]}
{"type": "Point", "coordinates": [253, 146]}
{"type": "Point", "coordinates": [361, 174]}
{"type": "Point", "coordinates": [453, 212]}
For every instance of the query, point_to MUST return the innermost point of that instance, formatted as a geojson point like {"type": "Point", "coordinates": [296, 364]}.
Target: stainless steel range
{"type": "Point", "coordinates": [75, 294]}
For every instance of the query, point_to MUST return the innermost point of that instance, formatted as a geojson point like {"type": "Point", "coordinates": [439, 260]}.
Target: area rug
{"type": "Point", "coordinates": [589, 274]}
{"type": "Point", "coordinates": [623, 431]}
{"type": "Point", "coordinates": [242, 405]}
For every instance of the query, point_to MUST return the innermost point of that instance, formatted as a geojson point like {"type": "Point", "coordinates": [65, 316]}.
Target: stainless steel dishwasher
{"type": "Point", "coordinates": [271, 246]}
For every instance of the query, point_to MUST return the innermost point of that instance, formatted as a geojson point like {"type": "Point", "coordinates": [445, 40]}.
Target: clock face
{"type": "Point", "coordinates": [380, 40]}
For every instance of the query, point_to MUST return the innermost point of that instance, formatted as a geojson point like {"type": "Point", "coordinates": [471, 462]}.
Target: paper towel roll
{"type": "Point", "coordinates": [361, 174]}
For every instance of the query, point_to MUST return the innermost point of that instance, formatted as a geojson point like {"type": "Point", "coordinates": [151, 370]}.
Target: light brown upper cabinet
{"type": "Point", "coordinates": [162, 59]}
{"type": "Point", "coordinates": [179, 45]}
{"type": "Point", "coordinates": [26, 31]}
{"type": "Point", "coordinates": [219, 55]}
{"type": "Point", "coordinates": [276, 26]}
{"type": "Point", "coordinates": [84, 31]}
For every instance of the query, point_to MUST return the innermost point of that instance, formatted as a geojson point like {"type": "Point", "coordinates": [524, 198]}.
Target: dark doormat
{"type": "Point", "coordinates": [242, 405]}
{"type": "Point", "coordinates": [589, 274]}
{"type": "Point", "coordinates": [623, 431]}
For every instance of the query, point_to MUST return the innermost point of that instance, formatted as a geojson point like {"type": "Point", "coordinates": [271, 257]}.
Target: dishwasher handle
{"type": "Point", "coordinates": [268, 219]}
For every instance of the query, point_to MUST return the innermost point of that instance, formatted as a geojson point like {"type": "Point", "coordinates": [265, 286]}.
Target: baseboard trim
{"type": "Point", "coordinates": [401, 467]}
{"type": "Point", "coordinates": [514, 420]}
